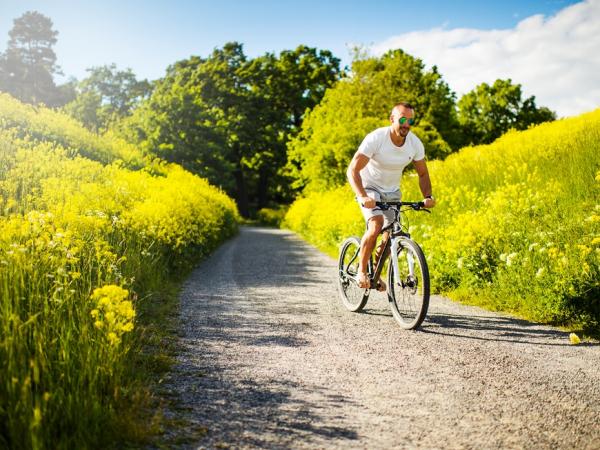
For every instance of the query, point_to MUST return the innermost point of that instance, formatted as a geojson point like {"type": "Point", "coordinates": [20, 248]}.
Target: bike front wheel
{"type": "Point", "coordinates": [353, 297]}
{"type": "Point", "coordinates": [408, 291]}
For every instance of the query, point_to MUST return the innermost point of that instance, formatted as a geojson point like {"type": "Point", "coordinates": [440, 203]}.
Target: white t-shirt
{"type": "Point", "coordinates": [383, 172]}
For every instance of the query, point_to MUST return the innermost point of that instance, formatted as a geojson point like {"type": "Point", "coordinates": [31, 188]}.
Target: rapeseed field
{"type": "Point", "coordinates": [88, 228]}
{"type": "Point", "coordinates": [516, 228]}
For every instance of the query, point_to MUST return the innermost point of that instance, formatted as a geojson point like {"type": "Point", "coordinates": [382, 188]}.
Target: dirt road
{"type": "Point", "coordinates": [271, 359]}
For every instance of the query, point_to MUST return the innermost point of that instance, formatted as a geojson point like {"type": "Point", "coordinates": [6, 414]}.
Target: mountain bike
{"type": "Point", "coordinates": [407, 271]}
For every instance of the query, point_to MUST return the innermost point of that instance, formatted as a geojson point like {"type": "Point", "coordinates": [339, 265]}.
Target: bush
{"type": "Point", "coordinates": [272, 217]}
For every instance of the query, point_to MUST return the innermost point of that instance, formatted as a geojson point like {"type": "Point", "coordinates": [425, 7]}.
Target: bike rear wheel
{"type": "Point", "coordinates": [408, 291]}
{"type": "Point", "coordinates": [353, 297]}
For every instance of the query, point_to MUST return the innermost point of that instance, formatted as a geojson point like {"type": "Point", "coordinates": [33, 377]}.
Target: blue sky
{"type": "Point", "coordinates": [149, 35]}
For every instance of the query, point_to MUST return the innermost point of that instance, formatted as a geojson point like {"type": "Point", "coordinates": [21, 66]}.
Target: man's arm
{"type": "Point", "coordinates": [359, 161]}
{"type": "Point", "coordinates": [424, 182]}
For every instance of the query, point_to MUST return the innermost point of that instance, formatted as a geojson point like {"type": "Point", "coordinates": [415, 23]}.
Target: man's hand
{"type": "Point", "coordinates": [367, 202]}
{"type": "Point", "coordinates": [429, 202]}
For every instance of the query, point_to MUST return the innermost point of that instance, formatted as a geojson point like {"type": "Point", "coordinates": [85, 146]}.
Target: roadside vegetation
{"type": "Point", "coordinates": [516, 228]}
{"type": "Point", "coordinates": [85, 240]}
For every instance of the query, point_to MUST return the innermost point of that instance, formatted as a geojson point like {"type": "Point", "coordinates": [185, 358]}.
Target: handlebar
{"type": "Point", "coordinates": [417, 206]}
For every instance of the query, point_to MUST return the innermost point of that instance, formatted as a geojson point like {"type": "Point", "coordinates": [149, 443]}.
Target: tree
{"type": "Point", "coordinates": [106, 96]}
{"type": "Point", "coordinates": [333, 130]}
{"type": "Point", "coordinates": [28, 66]}
{"type": "Point", "coordinates": [296, 80]}
{"type": "Point", "coordinates": [175, 124]}
{"type": "Point", "coordinates": [199, 116]}
{"type": "Point", "coordinates": [487, 112]}
{"type": "Point", "coordinates": [289, 85]}
{"type": "Point", "coordinates": [228, 118]}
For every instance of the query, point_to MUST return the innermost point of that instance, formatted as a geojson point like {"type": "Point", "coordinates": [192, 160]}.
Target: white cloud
{"type": "Point", "coordinates": [556, 58]}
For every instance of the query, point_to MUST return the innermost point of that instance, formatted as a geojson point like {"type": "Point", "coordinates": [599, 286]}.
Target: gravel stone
{"type": "Point", "coordinates": [271, 359]}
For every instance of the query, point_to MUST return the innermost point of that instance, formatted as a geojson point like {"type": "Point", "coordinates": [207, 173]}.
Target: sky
{"type": "Point", "coordinates": [550, 47]}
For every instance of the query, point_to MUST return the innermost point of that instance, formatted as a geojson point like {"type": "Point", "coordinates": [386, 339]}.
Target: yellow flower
{"type": "Point", "coordinates": [98, 324]}
{"type": "Point", "coordinates": [113, 338]}
{"type": "Point", "coordinates": [127, 327]}
{"type": "Point", "coordinates": [115, 311]}
{"type": "Point", "coordinates": [37, 417]}
{"type": "Point", "coordinates": [126, 309]}
{"type": "Point", "coordinates": [585, 250]}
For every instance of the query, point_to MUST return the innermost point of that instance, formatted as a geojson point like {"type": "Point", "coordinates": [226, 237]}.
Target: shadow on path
{"type": "Point", "coordinates": [496, 328]}
{"type": "Point", "coordinates": [238, 326]}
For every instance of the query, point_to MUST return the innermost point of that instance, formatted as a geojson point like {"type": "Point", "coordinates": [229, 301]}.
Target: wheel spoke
{"type": "Point", "coordinates": [353, 297]}
{"type": "Point", "coordinates": [409, 290]}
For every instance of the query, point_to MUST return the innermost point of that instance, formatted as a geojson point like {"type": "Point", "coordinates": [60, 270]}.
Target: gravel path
{"type": "Point", "coordinates": [271, 359]}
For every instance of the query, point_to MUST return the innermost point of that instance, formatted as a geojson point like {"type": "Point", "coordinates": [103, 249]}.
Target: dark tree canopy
{"type": "Point", "coordinates": [228, 117]}
{"type": "Point", "coordinates": [487, 112]}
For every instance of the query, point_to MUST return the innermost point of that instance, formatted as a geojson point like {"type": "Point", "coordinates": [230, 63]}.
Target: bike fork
{"type": "Point", "coordinates": [409, 259]}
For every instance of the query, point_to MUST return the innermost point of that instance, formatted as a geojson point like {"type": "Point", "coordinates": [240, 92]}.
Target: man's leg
{"type": "Point", "coordinates": [380, 285]}
{"type": "Point", "coordinates": [367, 245]}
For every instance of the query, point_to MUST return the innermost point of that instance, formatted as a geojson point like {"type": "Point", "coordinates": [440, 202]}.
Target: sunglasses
{"type": "Point", "coordinates": [403, 120]}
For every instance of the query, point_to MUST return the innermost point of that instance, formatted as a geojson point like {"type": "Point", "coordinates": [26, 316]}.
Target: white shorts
{"type": "Point", "coordinates": [388, 216]}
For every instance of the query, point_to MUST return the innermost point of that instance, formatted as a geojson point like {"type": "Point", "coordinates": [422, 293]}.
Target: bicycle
{"type": "Point", "coordinates": [407, 272]}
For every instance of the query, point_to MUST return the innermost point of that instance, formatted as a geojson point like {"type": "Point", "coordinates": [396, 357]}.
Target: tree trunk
{"type": "Point", "coordinates": [241, 196]}
{"type": "Point", "coordinates": [263, 187]}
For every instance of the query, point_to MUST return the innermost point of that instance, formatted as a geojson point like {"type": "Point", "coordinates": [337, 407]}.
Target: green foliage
{"type": "Point", "coordinates": [197, 117]}
{"type": "Point", "coordinates": [333, 130]}
{"type": "Point", "coordinates": [294, 82]}
{"type": "Point", "coordinates": [82, 245]}
{"type": "Point", "coordinates": [487, 112]}
{"type": "Point", "coordinates": [29, 64]}
{"type": "Point", "coordinates": [289, 85]}
{"type": "Point", "coordinates": [516, 228]}
{"type": "Point", "coordinates": [272, 217]}
{"type": "Point", "coordinates": [106, 96]}
{"type": "Point", "coordinates": [32, 125]}
{"type": "Point", "coordinates": [227, 118]}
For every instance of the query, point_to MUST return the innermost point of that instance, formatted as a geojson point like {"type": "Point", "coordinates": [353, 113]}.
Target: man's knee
{"type": "Point", "coordinates": [374, 226]}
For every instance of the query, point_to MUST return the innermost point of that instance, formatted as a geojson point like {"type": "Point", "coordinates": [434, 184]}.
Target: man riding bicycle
{"type": "Point", "coordinates": [375, 173]}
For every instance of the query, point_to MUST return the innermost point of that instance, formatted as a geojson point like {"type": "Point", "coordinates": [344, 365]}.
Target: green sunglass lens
{"type": "Point", "coordinates": [403, 120]}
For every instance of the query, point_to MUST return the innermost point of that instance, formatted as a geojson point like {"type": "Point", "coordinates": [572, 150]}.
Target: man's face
{"type": "Point", "coordinates": [398, 114]}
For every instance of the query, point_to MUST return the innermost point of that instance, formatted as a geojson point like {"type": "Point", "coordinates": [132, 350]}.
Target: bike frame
{"type": "Point", "coordinates": [392, 245]}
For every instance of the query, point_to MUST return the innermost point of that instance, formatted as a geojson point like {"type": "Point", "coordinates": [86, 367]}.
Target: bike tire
{"type": "Point", "coordinates": [353, 297]}
{"type": "Point", "coordinates": [409, 296]}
